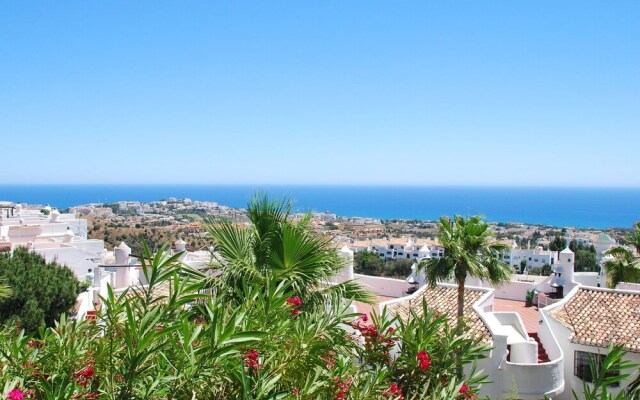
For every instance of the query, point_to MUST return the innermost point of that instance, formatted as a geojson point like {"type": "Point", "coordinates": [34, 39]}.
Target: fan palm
{"type": "Point", "coordinates": [634, 238]}
{"type": "Point", "coordinates": [624, 267]}
{"type": "Point", "coordinates": [273, 248]}
{"type": "Point", "coordinates": [470, 250]}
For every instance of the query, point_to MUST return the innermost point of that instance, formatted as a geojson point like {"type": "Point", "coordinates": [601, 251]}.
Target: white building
{"type": "Point", "coordinates": [534, 258]}
{"type": "Point", "coordinates": [57, 237]}
{"type": "Point", "coordinates": [574, 321]}
{"type": "Point", "coordinates": [400, 248]}
{"type": "Point", "coordinates": [586, 323]}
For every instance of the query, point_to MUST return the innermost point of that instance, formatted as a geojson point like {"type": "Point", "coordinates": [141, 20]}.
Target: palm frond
{"type": "Point", "coordinates": [5, 290]}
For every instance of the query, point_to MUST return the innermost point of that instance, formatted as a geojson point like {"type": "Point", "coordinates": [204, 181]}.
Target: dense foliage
{"type": "Point", "coordinates": [370, 263]}
{"type": "Point", "coordinates": [174, 340]}
{"type": "Point", "coordinates": [275, 248]}
{"type": "Point", "coordinates": [625, 267]}
{"type": "Point", "coordinates": [40, 291]}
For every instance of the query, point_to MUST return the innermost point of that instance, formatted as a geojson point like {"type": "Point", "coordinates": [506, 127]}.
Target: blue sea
{"type": "Point", "coordinates": [577, 207]}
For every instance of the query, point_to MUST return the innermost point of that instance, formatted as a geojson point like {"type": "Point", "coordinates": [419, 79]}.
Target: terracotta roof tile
{"type": "Point", "coordinates": [601, 317]}
{"type": "Point", "coordinates": [444, 299]}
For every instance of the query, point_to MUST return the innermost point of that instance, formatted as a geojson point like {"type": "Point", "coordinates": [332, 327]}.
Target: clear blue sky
{"type": "Point", "coordinates": [332, 92]}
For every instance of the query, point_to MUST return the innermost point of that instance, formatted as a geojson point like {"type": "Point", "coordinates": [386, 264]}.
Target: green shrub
{"type": "Point", "coordinates": [176, 340]}
{"type": "Point", "coordinates": [41, 291]}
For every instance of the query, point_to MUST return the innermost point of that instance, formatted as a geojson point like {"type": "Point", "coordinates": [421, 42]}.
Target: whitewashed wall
{"type": "Point", "coordinates": [383, 286]}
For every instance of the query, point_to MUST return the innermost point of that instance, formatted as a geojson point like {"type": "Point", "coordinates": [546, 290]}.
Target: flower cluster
{"type": "Point", "coordinates": [296, 303]}
{"type": "Point", "coordinates": [394, 392]}
{"type": "Point", "coordinates": [342, 387]}
{"type": "Point", "coordinates": [424, 360]}
{"type": "Point", "coordinates": [85, 374]}
{"type": "Point", "coordinates": [466, 393]}
{"type": "Point", "coordinates": [15, 394]}
{"type": "Point", "coordinates": [251, 359]}
{"type": "Point", "coordinates": [329, 359]}
{"type": "Point", "coordinates": [366, 329]}
{"type": "Point", "coordinates": [376, 344]}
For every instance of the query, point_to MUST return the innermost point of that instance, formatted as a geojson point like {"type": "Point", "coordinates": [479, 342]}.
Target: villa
{"type": "Point", "coordinates": [536, 351]}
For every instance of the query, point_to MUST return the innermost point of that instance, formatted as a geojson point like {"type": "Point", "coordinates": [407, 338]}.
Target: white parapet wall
{"type": "Point", "coordinates": [383, 286]}
{"type": "Point", "coordinates": [515, 289]}
{"type": "Point", "coordinates": [592, 279]}
{"type": "Point", "coordinates": [628, 286]}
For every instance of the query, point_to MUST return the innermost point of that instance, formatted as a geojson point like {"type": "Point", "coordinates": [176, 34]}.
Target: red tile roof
{"type": "Point", "coordinates": [602, 317]}
{"type": "Point", "coordinates": [444, 299]}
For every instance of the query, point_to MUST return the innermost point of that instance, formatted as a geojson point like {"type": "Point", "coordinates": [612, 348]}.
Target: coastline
{"type": "Point", "coordinates": [598, 208]}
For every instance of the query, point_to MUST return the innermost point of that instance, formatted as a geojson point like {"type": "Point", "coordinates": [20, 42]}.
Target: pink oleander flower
{"type": "Point", "coordinates": [15, 394]}
{"type": "Point", "coordinates": [425, 360]}
{"type": "Point", "coordinates": [251, 359]}
{"type": "Point", "coordinates": [294, 301]}
{"type": "Point", "coordinates": [394, 392]}
{"type": "Point", "coordinates": [295, 312]}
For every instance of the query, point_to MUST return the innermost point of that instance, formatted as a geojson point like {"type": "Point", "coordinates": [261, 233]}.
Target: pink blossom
{"type": "Point", "coordinates": [15, 394]}
{"type": "Point", "coordinates": [294, 301]}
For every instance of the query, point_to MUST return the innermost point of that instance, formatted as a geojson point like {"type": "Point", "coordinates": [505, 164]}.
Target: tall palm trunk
{"type": "Point", "coordinates": [460, 323]}
{"type": "Point", "coordinates": [460, 304]}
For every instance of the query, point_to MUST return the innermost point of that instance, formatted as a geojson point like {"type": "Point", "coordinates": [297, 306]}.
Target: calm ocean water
{"type": "Point", "coordinates": [578, 207]}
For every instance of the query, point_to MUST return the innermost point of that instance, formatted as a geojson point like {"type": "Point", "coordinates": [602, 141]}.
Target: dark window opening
{"type": "Point", "coordinates": [582, 366]}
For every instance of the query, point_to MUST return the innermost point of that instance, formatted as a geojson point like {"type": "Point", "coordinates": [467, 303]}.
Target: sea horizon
{"type": "Point", "coordinates": [580, 207]}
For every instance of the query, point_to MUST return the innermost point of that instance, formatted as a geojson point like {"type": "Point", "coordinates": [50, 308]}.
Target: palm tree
{"type": "Point", "coordinates": [470, 250]}
{"type": "Point", "coordinates": [275, 249]}
{"type": "Point", "coordinates": [634, 238]}
{"type": "Point", "coordinates": [624, 267]}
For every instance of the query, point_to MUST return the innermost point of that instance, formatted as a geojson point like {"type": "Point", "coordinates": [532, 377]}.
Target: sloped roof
{"type": "Point", "coordinates": [444, 300]}
{"type": "Point", "coordinates": [602, 317]}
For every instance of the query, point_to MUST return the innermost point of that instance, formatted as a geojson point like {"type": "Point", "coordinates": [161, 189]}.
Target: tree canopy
{"type": "Point", "coordinates": [470, 250]}
{"type": "Point", "coordinates": [41, 291]}
{"type": "Point", "coordinates": [624, 267]}
{"type": "Point", "coordinates": [276, 247]}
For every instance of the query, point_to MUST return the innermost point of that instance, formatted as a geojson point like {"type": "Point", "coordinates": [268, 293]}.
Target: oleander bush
{"type": "Point", "coordinates": [265, 325]}
{"type": "Point", "coordinates": [175, 339]}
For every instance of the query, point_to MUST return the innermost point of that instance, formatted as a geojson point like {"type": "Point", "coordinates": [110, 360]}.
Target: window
{"type": "Point", "coordinates": [391, 247]}
{"type": "Point", "coordinates": [582, 368]}
{"type": "Point", "coordinates": [408, 255]}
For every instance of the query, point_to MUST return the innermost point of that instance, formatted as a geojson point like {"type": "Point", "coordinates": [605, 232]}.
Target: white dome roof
{"type": "Point", "coordinates": [123, 246]}
{"type": "Point", "coordinates": [56, 212]}
{"type": "Point", "coordinates": [69, 232]}
{"type": "Point", "coordinates": [179, 241]}
{"type": "Point", "coordinates": [566, 251]}
{"type": "Point", "coordinates": [424, 248]}
{"type": "Point", "coordinates": [345, 249]}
